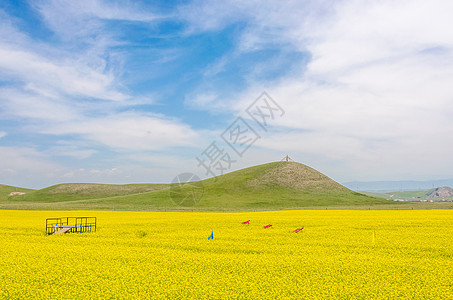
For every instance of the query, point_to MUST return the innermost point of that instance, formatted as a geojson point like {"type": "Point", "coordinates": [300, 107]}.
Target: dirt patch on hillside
{"type": "Point", "coordinates": [16, 194]}
{"type": "Point", "coordinates": [297, 176]}
{"type": "Point", "coordinates": [94, 189]}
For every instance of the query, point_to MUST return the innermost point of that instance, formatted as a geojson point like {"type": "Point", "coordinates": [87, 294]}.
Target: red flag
{"type": "Point", "coordinates": [298, 229]}
{"type": "Point", "coordinates": [246, 222]}
{"type": "Point", "coordinates": [267, 226]}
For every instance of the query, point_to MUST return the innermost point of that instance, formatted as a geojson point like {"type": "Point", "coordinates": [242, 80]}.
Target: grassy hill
{"type": "Point", "coordinates": [85, 191]}
{"type": "Point", "coordinates": [278, 185]}
{"type": "Point", "coordinates": [6, 190]}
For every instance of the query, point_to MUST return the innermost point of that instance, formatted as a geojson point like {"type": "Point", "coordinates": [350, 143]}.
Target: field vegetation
{"type": "Point", "coordinates": [338, 254]}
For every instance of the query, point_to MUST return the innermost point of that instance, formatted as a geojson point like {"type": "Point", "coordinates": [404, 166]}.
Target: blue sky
{"type": "Point", "coordinates": [134, 91]}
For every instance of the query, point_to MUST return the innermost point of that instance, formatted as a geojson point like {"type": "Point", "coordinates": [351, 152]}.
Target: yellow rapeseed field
{"type": "Point", "coordinates": [338, 254]}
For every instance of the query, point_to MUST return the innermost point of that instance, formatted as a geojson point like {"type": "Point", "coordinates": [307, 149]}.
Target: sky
{"type": "Point", "coordinates": [142, 91]}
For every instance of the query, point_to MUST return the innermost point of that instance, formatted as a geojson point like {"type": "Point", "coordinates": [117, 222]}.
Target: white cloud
{"type": "Point", "coordinates": [56, 90]}
{"type": "Point", "coordinates": [97, 8]}
{"type": "Point", "coordinates": [92, 174]}
{"type": "Point", "coordinates": [269, 24]}
{"type": "Point", "coordinates": [367, 33]}
{"type": "Point", "coordinates": [22, 165]}
{"type": "Point", "coordinates": [56, 86]}
{"type": "Point", "coordinates": [71, 151]}
{"type": "Point", "coordinates": [373, 101]}
{"type": "Point", "coordinates": [376, 94]}
{"type": "Point", "coordinates": [2, 134]}
{"type": "Point", "coordinates": [66, 76]}
{"type": "Point", "coordinates": [120, 174]}
{"type": "Point", "coordinates": [54, 71]}
{"type": "Point", "coordinates": [27, 167]}
{"type": "Point", "coordinates": [18, 104]}
{"type": "Point", "coordinates": [133, 131]}
{"type": "Point", "coordinates": [83, 17]}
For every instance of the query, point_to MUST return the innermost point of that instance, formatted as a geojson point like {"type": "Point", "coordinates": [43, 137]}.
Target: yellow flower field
{"type": "Point", "coordinates": [338, 254]}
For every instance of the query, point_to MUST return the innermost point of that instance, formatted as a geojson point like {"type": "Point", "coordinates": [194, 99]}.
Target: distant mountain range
{"type": "Point", "coordinates": [440, 194]}
{"type": "Point", "coordinates": [391, 186]}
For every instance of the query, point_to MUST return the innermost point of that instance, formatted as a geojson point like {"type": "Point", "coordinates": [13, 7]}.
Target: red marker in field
{"type": "Point", "coordinates": [298, 229]}
{"type": "Point", "coordinates": [246, 222]}
{"type": "Point", "coordinates": [267, 226]}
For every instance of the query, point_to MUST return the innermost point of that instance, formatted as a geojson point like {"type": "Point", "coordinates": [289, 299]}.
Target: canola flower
{"type": "Point", "coordinates": [167, 255]}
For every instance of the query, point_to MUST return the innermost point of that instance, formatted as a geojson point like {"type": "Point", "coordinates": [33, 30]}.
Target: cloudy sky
{"type": "Point", "coordinates": [136, 91]}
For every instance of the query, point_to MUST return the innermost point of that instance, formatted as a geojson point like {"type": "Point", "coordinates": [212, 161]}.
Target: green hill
{"type": "Point", "coordinates": [85, 191]}
{"type": "Point", "coordinates": [278, 185]}
{"type": "Point", "coordinates": [7, 192]}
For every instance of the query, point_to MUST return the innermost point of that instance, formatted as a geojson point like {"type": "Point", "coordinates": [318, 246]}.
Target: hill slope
{"type": "Point", "coordinates": [278, 185]}
{"type": "Point", "coordinates": [444, 192]}
{"type": "Point", "coordinates": [85, 191]}
{"type": "Point", "coordinates": [9, 192]}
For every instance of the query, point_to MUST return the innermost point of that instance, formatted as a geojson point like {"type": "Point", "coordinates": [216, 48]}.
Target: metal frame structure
{"type": "Point", "coordinates": [70, 224]}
